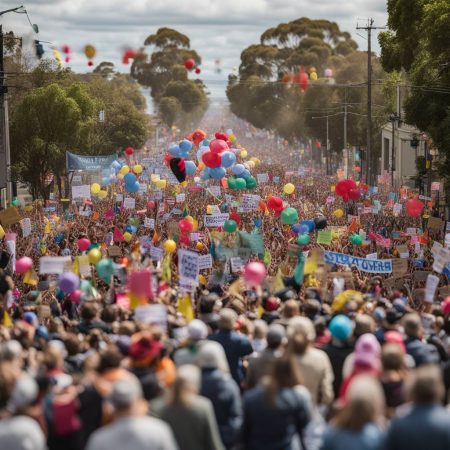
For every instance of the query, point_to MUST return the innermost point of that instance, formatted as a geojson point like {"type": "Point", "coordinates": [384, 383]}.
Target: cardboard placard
{"type": "Point", "coordinates": [399, 267]}
{"type": "Point", "coordinates": [114, 252]}
{"type": "Point", "coordinates": [54, 264]}
{"type": "Point", "coordinates": [435, 224]}
{"type": "Point", "coordinates": [215, 220]}
{"type": "Point", "coordinates": [188, 265]}
{"type": "Point", "coordinates": [324, 237]}
{"type": "Point", "coordinates": [9, 216]}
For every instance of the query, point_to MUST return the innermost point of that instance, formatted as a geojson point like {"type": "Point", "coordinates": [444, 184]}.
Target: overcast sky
{"type": "Point", "coordinates": [218, 29]}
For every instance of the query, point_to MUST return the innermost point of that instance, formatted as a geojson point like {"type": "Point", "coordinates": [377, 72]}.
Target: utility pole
{"type": "Point", "coordinates": [345, 135]}
{"type": "Point", "coordinates": [369, 27]}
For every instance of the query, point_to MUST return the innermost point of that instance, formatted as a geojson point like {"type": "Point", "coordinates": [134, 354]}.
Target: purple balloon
{"type": "Point", "coordinates": [68, 282]}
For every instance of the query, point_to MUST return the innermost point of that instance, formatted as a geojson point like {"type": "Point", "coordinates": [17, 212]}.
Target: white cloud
{"type": "Point", "coordinates": [218, 29]}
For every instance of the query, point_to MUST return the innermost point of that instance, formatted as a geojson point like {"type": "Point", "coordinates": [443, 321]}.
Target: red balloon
{"type": "Point", "coordinates": [344, 186]}
{"type": "Point", "coordinates": [222, 136]}
{"type": "Point", "coordinates": [414, 207]}
{"type": "Point", "coordinates": [184, 239]}
{"type": "Point", "coordinates": [129, 151]}
{"type": "Point", "coordinates": [353, 194]}
{"type": "Point", "coordinates": [189, 64]}
{"type": "Point", "coordinates": [185, 226]}
{"type": "Point", "coordinates": [90, 63]}
{"type": "Point", "coordinates": [83, 244]}
{"type": "Point", "coordinates": [197, 136]}
{"type": "Point", "coordinates": [218, 146]}
{"type": "Point", "coordinates": [275, 203]}
{"type": "Point", "coordinates": [197, 70]}
{"type": "Point", "coordinates": [236, 217]}
{"type": "Point", "coordinates": [151, 204]}
{"type": "Point", "coordinates": [345, 198]}
{"type": "Point", "coordinates": [211, 159]}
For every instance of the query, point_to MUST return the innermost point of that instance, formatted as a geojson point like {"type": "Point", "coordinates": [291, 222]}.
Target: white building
{"type": "Point", "coordinates": [404, 154]}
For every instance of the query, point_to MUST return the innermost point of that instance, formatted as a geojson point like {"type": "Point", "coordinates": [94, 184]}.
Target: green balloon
{"type": "Point", "coordinates": [241, 184]}
{"type": "Point", "coordinates": [231, 182]}
{"type": "Point", "coordinates": [15, 202]}
{"type": "Point", "coordinates": [251, 183]}
{"type": "Point", "coordinates": [134, 221]}
{"type": "Point", "coordinates": [230, 226]}
{"type": "Point", "coordinates": [356, 239]}
{"type": "Point", "coordinates": [105, 269]}
{"type": "Point", "coordinates": [289, 216]}
{"type": "Point", "coordinates": [303, 239]}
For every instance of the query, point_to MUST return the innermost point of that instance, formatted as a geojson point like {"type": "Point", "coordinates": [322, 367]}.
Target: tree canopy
{"type": "Point", "coordinates": [180, 100]}
{"type": "Point", "coordinates": [417, 42]}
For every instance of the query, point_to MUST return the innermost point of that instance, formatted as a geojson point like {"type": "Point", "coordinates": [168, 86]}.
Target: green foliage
{"type": "Point", "coordinates": [163, 71]}
{"type": "Point", "coordinates": [417, 42]}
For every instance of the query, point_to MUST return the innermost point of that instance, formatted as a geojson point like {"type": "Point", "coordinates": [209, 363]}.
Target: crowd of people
{"type": "Point", "coordinates": [313, 356]}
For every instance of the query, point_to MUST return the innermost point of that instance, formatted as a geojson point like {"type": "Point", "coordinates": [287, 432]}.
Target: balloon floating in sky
{"type": "Point", "coordinates": [89, 51]}
{"type": "Point", "coordinates": [189, 64]}
{"type": "Point", "coordinates": [127, 55]}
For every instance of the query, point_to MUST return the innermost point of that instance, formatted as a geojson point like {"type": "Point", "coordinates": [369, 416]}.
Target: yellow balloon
{"type": "Point", "coordinates": [189, 219]}
{"type": "Point", "coordinates": [201, 279]}
{"type": "Point", "coordinates": [195, 225]}
{"type": "Point", "coordinates": [209, 209]}
{"type": "Point", "coordinates": [95, 255]}
{"type": "Point", "coordinates": [170, 246]}
{"type": "Point", "coordinates": [313, 76]}
{"type": "Point", "coordinates": [95, 188]}
{"type": "Point", "coordinates": [333, 188]}
{"type": "Point", "coordinates": [199, 246]}
{"type": "Point", "coordinates": [137, 169]}
{"type": "Point", "coordinates": [338, 213]}
{"type": "Point", "coordinates": [2, 232]}
{"type": "Point", "coordinates": [124, 170]}
{"type": "Point", "coordinates": [288, 188]}
{"type": "Point", "coordinates": [102, 194]}
{"type": "Point", "coordinates": [28, 208]}
{"type": "Point", "coordinates": [244, 154]}
{"type": "Point", "coordinates": [184, 183]}
{"type": "Point", "coordinates": [127, 236]}
{"type": "Point", "coordinates": [232, 138]}
{"type": "Point", "coordinates": [89, 51]}
{"type": "Point", "coordinates": [161, 184]}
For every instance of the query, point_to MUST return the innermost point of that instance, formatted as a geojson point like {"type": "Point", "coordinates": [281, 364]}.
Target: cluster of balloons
{"type": "Point", "coordinates": [348, 190]}
{"type": "Point", "coordinates": [190, 64]}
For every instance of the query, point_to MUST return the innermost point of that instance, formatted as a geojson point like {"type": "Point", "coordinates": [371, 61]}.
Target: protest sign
{"type": "Point", "coordinates": [399, 266]}
{"type": "Point", "coordinates": [149, 223]}
{"type": "Point", "coordinates": [10, 240]}
{"type": "Point", "coordinates": [324, 237]}
{"type": "Point", "coordinates": [441, 259]}
{"type": "Point", "coordinates": [363, 264]}
{"type": "Point", "coordinates": [215, 220]}
{"type": "Point", "coordinates": [430, 287]}
{"type": "Point", "coordinates": [205, 262]}
{"type": "Point", "coordinates": [180, 198]}
{"type": "Point", "coordinates": [435, 186]}
{"type": "Point", "coordinates": [89, 163]}
{"type": "Point", "coordinates": [54, 264]}
{"type": "Point", "coordinates": [9, 216]}
{"type": "Point", "coordinates": [140, 284]}
{"type": "Point", "coordinates": [194, 237]}
{"type": "Point", "coordinates": [188, 265]}
{"type": "Point", "coordinates": [236, 264]}
{"type": "Point", "coordinates": [114, 252]}
{"type": "Point", "coordinates": [262, 177]}
{"type": "Point", "coordinates": [83, 266]}
{"type": "Point", "coordinates": [214, 191]}
{"type": "Point", "coordinates": [129, 203]}
{"type": "Point", "coordinates": [81, 192]}
{"type": "Point", "coordinates": [250, 202]}
{"type": "Point", "coordinates": [151, 315]}
{"type": "Point", "coordinates": [157, 253]}
{"type": "Point", "coordinates": [435, 224]}
{"type": "Point", "coordinates": [403, 251]}
{"type": "Point", "coordinates": [26, 226]}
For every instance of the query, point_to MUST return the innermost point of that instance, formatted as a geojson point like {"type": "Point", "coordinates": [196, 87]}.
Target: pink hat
{"type": "Point", "coordinates": [367, 352]}
{"type": "Point", "coordinates": [445, 306]}
{"type": "Point", "coordinates": [394, 337]}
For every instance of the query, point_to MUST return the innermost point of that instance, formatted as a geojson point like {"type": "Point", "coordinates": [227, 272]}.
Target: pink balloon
{"type": "Point", "coordinates": [24, 264]}
{"type": "Point", "coordinates": [83, 244]}
{"type": "Point", "coordinates": [185, 226]}
{"type": "Point", "coordinates": [75, 296]}
{"type": "Point", "coordinates": [254, 273]}
{"type": "Point", "coordinates": [218, 145]}
{"type": "Point", "coordinates": [151, 204]}
{"type": "Point", "coordinates": [211, 159]}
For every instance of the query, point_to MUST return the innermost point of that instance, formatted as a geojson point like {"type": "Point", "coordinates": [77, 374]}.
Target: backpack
{"type": "Point", "coordinates": [61, 414]}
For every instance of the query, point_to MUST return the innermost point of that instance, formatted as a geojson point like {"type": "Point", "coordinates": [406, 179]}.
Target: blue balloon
{"type": "Point", "coordinates": [175, 151]}
{"type": "Point", "coordinates": [204, 143]}
{"type": "Point", "coordinates": [131, 229]}
{"type": "Point", "coordinates": [130, 178]}
{"type": "Point", "coordinates": [257, 221]}
{"type": "Point", "coordinates": [184, 154]}
{"type": "Point", "coordinates": [204, 174]}
{"type": "Point", "coordinates": [228, 159]}
{"type": "Point", "coordinates": [190, 167]}
{"type": "Point", "coordinates": [246, 173]}
{"type": "Point", "coordinates": [238, 169]}
{"type": "Point", "coordinates": [133, 187]}
{"type": "Point", "coordinates": [297, 228]}
{"type": "Point", "coordinates": [304, 229]}
{"type": "Point", "coordinates": [224, 207]}
{"type": "Point", "coordinates": [106, 181]}
{"type": "Point", "coordinates": [217, 173]}
{"type": "Point", "coordinates": [185, 145]}
{"type": "Point", "coordinates": [310, 224]}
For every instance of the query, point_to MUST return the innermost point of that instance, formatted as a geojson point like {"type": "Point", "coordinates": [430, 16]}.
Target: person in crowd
{"type": "Point", "coordinates": [277, 411]}
{"type": "Point", "coordinates": [426, 424]}
{"type": "Point", "coordinates": [313, 363]}
{"type": "Point", "coordinates": [359, 424]}
{"type": "Point", "coordinates": [190, 416]}
{"type": "Point", "coordinates": [236, 345]}
{"type": "Point", "coordinates": [131, 427]}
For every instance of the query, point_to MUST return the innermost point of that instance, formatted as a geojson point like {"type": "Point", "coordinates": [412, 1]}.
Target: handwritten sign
{"type": "Point", "coordinates": [129, 203]}
{"type": "Point", "coordinates": [430, 287]}
{"type": "Point", "coordinates": [262, 177]}
{"type": "Point", "coordinates": [157, 253]}
{"type": "Point", "coordinates": [149, 223]}
{"type": "Point", "coordinates": [81, 192]}
{"type": "Point", "coordinates": [54, 264]}
{"type": "Point", "coordinates": [324, 237]}
{"type": "Point", "coordinates": [26, 226]}
{"type": "Point", "coordinates": [188, 265]}
{"type": "Point", "coordinates": [205, 262]}
{"type": "Point", "coordinates": [215, 220]}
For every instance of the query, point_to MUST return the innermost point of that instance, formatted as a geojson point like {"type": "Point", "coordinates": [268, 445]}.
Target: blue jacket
{"type": "Point", "coordinates": [424, 427]}
{"type": "Point", "coordinates": [274, 425]}
{"type": "Point", "coordinates": [236, 346]}
{"type": "Point", "coordinates": [225, 396]}
{"type": "Point", "coordinates": [421, 352]}
{"type": "Point", "coordinates": [369, 438]}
